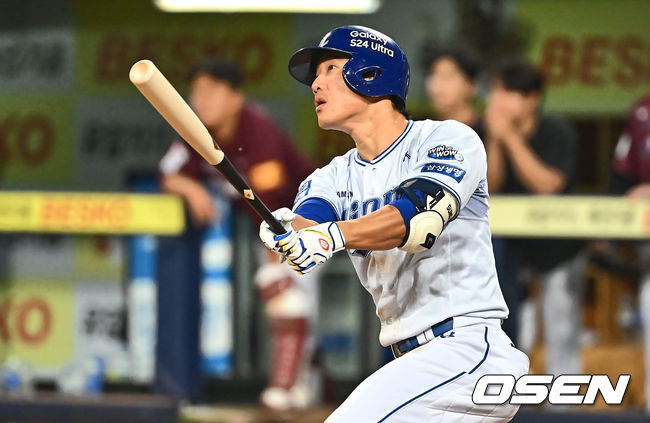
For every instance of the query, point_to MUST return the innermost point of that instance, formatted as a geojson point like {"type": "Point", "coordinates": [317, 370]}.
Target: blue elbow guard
{"type": "Point", "coordinates": [426, 208]}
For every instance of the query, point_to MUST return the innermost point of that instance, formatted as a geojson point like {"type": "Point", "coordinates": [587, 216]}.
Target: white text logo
{"type": "Point", "coordinates": [535, 389]}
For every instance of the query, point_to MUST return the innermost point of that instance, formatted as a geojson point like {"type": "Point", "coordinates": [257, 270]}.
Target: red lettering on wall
{"type": "Point", "coordinates": [5, 307]}
{"type": "Point", "coordinates": [557, 53]}
{"type": "Point", "coordinates": [35, 139]}
{"type": "Point", "coordinates": [255, 56]}
{"type": "Point", "coordinates": [182, 49]}
{"type": "Point", "coordinates": [26, 138]}
{"type": "Point", "coordinates": [34, 308]}
{"type": "Point", "coordinates": [174, 54]}
{"type": "Point", "coordinates": [112, 59]}
{"type": "Point", "coordinates": [149, 47]}
{"type": "Point", "coordinates": [31, 323]}
{"type": "Point", "coordinates": [592, 61]}
{"type": "Point", "coordinates": [596, 61]}
{"type": "Point", "coordinates": [213, 48]}
{"type": "Point", "coordinates": [629, 52]}
{"type": "Point", "coordinates": [6, 127]}
{"type": "Point", "coordinates": [80, 212]}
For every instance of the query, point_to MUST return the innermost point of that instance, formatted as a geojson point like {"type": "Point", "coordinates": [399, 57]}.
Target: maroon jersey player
{"type": "Point", "coordinates": [273, 167]}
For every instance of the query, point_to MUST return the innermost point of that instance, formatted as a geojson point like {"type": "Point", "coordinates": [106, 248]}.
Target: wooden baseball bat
{"type": "Point", "coordinates": [171, 106]}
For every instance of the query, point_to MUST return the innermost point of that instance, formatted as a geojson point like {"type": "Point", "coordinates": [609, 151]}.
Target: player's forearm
{"type": "Point", "coordinates": [176, 183]}
{"type": "Point", "coordinates": [380, 230]}
{"type": "Point", "coordinates": [302, 223]}
{"type": "Point", "coordinates": [495, 166]}
{"type": "Point", "coordinates": [534, 174]}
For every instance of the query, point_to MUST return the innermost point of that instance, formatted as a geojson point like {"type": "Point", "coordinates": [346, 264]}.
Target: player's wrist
{"type": "Point", "coordinates": [333, 233]}
{"type": "Point", "coordinates": [337, 236]}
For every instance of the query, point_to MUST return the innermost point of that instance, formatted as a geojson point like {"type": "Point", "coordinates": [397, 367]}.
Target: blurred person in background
{"type": "Point", "coordinates": [531, 153]}
{"type": "Point", "coordinates": [271, 164]}
{"type": "Point", "coordinates": [631, 178]}
{"type": "Point", "coordinates": [451, 83]}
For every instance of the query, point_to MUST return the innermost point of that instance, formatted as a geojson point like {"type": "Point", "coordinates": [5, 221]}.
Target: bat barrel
{"type": "Point", "coordinates": [171, 106]}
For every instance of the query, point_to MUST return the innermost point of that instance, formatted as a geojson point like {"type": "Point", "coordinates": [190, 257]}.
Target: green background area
{"type": "Point", "coordinates": [34, 158]}
{"type": "Point", "coordinates": [603, 65]}
{"type": "Point", "coordinates": [56, 347]}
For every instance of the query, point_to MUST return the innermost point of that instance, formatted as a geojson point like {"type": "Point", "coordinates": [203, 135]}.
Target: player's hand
{"type": "Point", "coordinates": [200, 205]}
{"type": "Point", "coordinates": [501, 119]}
{"type": "Point", "coordinates": [312, 246]}
{"type": "Point", "coordinates": [275, 242]}
{"type": "Point", "coordinates": [639, 191]}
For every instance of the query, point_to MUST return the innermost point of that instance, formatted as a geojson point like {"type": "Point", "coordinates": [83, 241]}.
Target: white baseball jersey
{"type": "Point", "coordinates": [457, 276]}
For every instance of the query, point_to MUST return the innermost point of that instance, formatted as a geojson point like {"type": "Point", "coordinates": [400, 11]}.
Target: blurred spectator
{"type": "Point", "coordinates": [267, 159]}
{"type": "Point", "coordinates": [632, 154]}
{"type": "Point", "coordinates": [632, 178]}
{"type": "Point", "coordinates": [530, 153]}
{"type": "Point", "coordinates": [451, 83]}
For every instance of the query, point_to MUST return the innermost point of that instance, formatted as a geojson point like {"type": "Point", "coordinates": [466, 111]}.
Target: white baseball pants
{"type": "Point", "coordinates": [435, 382]}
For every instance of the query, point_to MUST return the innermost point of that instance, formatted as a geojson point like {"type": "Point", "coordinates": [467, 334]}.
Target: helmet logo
{"type": "Point", "coordinates": [379, 45]}
{"type": "Point", "coordinates": [325, 40]}
{"type": "Point", "coordinates": [370, 35]}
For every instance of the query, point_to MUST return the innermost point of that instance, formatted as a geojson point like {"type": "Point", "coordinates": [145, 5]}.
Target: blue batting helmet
{"type": "Point", "coordinates": [377, 65]}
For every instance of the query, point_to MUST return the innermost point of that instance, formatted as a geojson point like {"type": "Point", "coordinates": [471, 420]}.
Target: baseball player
{"type": "Point", "coordinates": [410, 206]}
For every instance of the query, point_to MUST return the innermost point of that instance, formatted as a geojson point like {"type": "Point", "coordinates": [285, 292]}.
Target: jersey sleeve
{"type": "Point", "coordinates": [180, 158]}
{"type": "Point", "coordinates": [626, 152]}
{"type": "Point", "coordinates": [453, 156]}
{"type": "Point", "coordinates": [278, 168]}
{"type": "Point", "coordinates": [319, 189]}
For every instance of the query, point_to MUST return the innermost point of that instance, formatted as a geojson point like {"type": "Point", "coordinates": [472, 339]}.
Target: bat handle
{"type": "Point", "coordinates": [230, 173]}
{"type": "Point", "coordinates": [266, 214]}
{"type": "Point", "coordinates": [275, 226]}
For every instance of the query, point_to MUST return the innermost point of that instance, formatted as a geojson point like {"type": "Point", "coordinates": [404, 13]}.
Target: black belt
{"type": "Point", "coordinates": [402, 347]}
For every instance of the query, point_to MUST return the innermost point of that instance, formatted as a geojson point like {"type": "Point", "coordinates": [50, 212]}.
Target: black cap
{"type": "Point", "coordinates": [461, 54]}
{"type": "Point", "coordinates": [219, 68]}
{"type": "Point", "coordinates": [518, 74]}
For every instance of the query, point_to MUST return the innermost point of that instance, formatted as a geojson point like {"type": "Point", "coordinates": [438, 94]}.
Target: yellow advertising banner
{"type": "Point", "coordinates": [36, 322]}
{"type": "Point", "coordinates": [570, 217]}
{"type": "Point", "coordinates": [594, 53]}
{"type": "Point", "coordinates": [110, 213]}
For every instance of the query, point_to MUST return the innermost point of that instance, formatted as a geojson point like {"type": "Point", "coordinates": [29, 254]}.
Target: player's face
{"type": "Point", "coordinates": [448, 87]}
{"type": "Point", "coordinates": [512, 103]}
{"type": "Point", "coordinates": [336, 104]}
{"type": "Point", "coordinates": [214, 101]}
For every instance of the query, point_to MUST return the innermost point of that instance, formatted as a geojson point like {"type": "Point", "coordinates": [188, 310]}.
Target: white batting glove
{"type": "Point", "coordinates": [278, 243]}
{"type": "Point", "coordinates": [313, 246]}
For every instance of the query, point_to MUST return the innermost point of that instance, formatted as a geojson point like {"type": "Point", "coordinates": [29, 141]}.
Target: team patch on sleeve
{"type": "Point", "coordinates": [444, 169]}
{"type": "Point", "coordinates": [303, 191]}
{"type": "Point", "coordinates": [445, 152]}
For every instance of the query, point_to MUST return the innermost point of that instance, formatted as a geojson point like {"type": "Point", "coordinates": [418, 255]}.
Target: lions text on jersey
{"type": "Point", "coordinates": [457, 276]}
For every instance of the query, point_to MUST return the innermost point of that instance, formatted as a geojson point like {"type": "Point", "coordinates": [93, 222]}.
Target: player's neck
{"type": "Point", "coordinates": [376, 132]}
{"type": "Point", "coordinates": [225, 131]}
